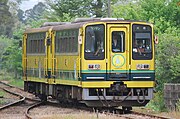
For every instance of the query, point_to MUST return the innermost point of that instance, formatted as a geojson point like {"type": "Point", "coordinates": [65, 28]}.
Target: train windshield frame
{"type": "Point", "coordinates": [142, 42]}
{"type": "Point", "coordinates": [94, 42]}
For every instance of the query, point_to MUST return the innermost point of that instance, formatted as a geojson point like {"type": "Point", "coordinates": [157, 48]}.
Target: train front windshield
{"type": "Point", "coordinates": [142, 42]}
{"type": "Point", "coordinates": [94, 42]}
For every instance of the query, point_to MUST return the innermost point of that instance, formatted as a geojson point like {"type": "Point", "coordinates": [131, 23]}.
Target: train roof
{"type": "Point", "coordinates": [35, 30]}
{"type": "Point", "coordinates": [77, 24]}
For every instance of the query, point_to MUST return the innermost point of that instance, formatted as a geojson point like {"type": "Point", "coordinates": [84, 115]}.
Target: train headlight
{"type": "Point", "coordinates": [93, 66]}
{"type": "Point", "coordinates": [143, 66]}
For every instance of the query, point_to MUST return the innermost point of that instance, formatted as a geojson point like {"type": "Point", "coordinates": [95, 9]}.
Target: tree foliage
{"type": "Point", "coordinates": [65, 10]}
{"type": "Point", "coordinates": [6, 20]}
{"type": "Point", "coordinates": [11, 59]}
{"type": "Point", "coordinates": [36, 12]}
{"type": "Point", "coordinates": [4, 43]}
{"type": "Point", "coordinates": [127, 11]}
{"type": "Point", "coordinates": [167, 12]}
{"type": "Point", "coordinates": [10, 52]}
{"type": "Point", "coordinates": [168, 57]}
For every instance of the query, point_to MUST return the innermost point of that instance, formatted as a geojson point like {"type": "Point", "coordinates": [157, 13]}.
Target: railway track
{"type": "Point", "coordinates": [18, 101]}
{"type": "Point", "coordinates": [112, 112]}
{"type": "Point", "coordinates": [22, 99]}
{"type": "Point", "coordinates": [8, 88]}
{"type": "Point", "coordinates": [147, 116]}
{"type": "Point", "coordinates": [130, 115]}
{"type": "Point", "coordinates": [19, 91]}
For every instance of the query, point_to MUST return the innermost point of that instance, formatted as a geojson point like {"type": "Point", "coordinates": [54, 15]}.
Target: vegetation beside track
{"type": "Point", "coordinates": [2, 94]}
{"type": "Point", "coordinates": [9, 78]}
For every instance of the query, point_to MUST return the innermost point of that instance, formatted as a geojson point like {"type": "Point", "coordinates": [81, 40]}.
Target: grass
{"type": "Point", "coordinates": [4, 76]}
{"type": "Point", "coordinates": [2, 93]}
{"type": "Point", "coordinates": [2, 102]}
{"type": "Point", "coordinates": [147, 110]}
{"type": "Point", "coordinates": [7, 77]}
{"type": "Point", "coordinates": [17, 83]}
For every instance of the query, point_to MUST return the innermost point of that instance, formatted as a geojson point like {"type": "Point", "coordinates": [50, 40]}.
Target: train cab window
{"type": "Point", "coordinates": [118, 41]}
{"type": "Point", "coordinates": [142, 42]}
{"type": "Point", "coordinates": [94, 42]}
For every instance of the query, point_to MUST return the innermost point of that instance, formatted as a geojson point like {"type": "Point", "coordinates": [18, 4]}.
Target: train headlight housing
{"type": "Point", "coordinates": [143, 66]}
{"type": "Point", "coordinates": [93, 66]}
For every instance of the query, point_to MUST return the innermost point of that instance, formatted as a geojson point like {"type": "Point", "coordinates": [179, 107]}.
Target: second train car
{"type": "Point", "coordinates": [99, 62]}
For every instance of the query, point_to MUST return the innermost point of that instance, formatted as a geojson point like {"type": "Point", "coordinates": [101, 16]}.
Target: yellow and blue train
{"type": "Point", "coordinates": [102, 62]}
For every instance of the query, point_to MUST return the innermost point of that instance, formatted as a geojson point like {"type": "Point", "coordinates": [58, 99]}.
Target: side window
{"type": "Point", "coordinates": [118, 41]}
{"type": "Point", "coordinates": [35, 43]}
{"type": "Point", "coordinates": [67, 41]}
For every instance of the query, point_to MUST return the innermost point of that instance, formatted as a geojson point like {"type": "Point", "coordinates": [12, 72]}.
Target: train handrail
{"type": "Point", "coordinates": [45, 66]}
{"type": "Point", "coordinates": [54, 66]}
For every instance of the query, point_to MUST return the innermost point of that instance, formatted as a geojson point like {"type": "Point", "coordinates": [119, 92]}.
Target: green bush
{"type": "Point", "coordinates": [157, 104]}
{"type": "Point", "coordinates": [178, 105]}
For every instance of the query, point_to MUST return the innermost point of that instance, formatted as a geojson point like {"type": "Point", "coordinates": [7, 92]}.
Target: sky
{"type": "Point", "coordinates": [29, 4]}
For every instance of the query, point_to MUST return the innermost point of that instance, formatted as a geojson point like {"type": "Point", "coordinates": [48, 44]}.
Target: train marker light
{"type": "Point", "coordinates": [93, 66]}
{"type": "Point", "coordinates": [143, 66]}
{"type": "Point", "coordinates": [156, 40]}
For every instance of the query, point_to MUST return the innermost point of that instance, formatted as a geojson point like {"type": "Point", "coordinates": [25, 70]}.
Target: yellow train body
{"type": "Point", "coordinates": [78, 61]}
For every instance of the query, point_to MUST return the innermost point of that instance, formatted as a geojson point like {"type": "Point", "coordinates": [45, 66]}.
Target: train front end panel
{"type": "Point", "coordinates": [118, 64]}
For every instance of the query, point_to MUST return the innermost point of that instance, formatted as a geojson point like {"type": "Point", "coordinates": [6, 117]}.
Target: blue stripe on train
{"type": "Point", "coordinates": [120, 77]}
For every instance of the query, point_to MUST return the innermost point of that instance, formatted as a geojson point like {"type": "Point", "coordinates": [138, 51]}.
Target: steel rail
{"type": "Point", "coordinates": [22, 99]}
{"type": "Point", "coordinates": [149, 115]}
{"type": "Point", "coordinates": [110, 111]}
{"type": "Point", "coordinates": [31, 107]}
{"type": "Point", "coordinates": [128, 115]}
{"type": "Point", "coordinates": [11, 86]}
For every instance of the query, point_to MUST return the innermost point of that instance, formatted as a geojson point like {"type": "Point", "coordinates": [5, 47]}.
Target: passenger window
{"type": "Point", "coordinates": [118, 41]}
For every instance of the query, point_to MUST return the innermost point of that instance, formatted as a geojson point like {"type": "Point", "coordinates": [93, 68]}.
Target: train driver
{"type": "Point", "coordinates": [115, 43]}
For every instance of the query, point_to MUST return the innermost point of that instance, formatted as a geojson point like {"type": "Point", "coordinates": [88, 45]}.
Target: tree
{"type": "Point", "coordinates": [164, 13]}
{"type": "Point", "coordinates": [20, 15]}
{"type": "Point", "coordinates": [168, 55]}
{"type": "Point", "coordinates": [65, 10]}
{"type": "Point", "coordinates": [4, 43]}
{"type": "Point", "coordinates": [98, 8]}
{"type": "Point", "coordinates": [6, 21]}
{"type": "Point", "coordinates": [127, 10]}
{"type": "Point", "coordinates": [35, 13]}
{"type": "Point", "coordinates": [12, 58]}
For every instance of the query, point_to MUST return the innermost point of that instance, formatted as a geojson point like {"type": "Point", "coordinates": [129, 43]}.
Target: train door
{"type": "Point", "coordinates": [118, 55]}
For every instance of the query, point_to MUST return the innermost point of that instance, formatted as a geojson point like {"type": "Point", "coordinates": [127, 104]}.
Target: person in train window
{"type": "Point", "coordinates": [115, 43]}
{"type": "Point", "coordinates": [140, 47]}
